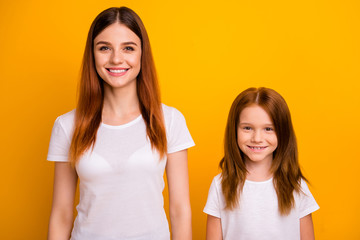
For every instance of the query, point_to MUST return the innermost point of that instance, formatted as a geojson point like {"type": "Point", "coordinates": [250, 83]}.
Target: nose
{"type": "Point", "coordinates": [117, 57]}
{"type": "Point", "coordinates": [256, 136]}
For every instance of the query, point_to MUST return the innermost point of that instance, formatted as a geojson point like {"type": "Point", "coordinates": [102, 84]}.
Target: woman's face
{"type": "Point", "coordinates": [117, 53]}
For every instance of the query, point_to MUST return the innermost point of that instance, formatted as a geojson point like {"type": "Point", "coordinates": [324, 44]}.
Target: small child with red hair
{"type": "Point", "coordinates": [261, 192]}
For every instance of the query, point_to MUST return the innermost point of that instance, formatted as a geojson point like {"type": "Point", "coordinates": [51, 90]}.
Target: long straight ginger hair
{"type": "Point", "coordinates": [91, 89]}
{"type": "Point", "coordinates": [284, 167]}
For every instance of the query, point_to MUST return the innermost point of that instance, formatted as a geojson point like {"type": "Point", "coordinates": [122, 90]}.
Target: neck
{"type": "Point", "coordinates": [121, 105]}
{"type": "Point", "coordinates": [258, 171]}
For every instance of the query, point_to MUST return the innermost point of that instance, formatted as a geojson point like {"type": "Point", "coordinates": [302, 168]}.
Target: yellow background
{"type": "Point", "coordinates": [206, 52]}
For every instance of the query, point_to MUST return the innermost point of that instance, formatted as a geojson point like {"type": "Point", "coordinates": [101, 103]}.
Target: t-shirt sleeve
{"type": "Point", "coordinates": [212, 206]}
{"type": "Point", "coordinates": [307, 201]}
{"type": "Point", "coordinates": [59, 143]}
{"type": "Point", "coordinates": [179, 137]}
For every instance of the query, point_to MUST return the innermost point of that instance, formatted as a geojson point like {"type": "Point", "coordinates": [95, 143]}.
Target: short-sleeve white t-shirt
{"type": "Point", "coordinates": [257, 216]}
{"type": "Point", "coordinates": [121, 179]}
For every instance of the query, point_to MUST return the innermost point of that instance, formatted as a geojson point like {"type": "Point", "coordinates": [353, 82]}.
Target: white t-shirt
{"type": "Point", "coordinates": [121, 180]}
{"type": "Point", "coordinates": [257, 216]}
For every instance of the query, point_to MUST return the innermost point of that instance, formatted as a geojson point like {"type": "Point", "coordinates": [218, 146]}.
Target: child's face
{"type": "Point", "coordinates": [256, 135]}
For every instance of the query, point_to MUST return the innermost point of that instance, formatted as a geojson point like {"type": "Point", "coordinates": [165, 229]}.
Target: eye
{"type": "Point", "coordinates": [247, 128]}
{"type": "Point", "coordinates": [269, 129]}
{"type": "Point", "coordinates": [104, 48]}
{"type": "Point", "coordinates": [128, 48]}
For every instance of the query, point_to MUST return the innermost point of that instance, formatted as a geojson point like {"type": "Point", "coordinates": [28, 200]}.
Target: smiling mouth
{"type": "Point", "coordinates": [256, 148]}
{"type": "Point", "coordinates": [117, 70]}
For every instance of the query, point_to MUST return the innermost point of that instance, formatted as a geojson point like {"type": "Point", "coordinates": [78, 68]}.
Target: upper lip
{"type": "Point", "coordinates": [117, 68]}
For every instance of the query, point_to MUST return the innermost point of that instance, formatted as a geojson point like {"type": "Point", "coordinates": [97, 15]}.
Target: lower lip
{"type": "Point", "coordinates": [116, 74]}
{"type": "Point", "coordinates": [257, 150]}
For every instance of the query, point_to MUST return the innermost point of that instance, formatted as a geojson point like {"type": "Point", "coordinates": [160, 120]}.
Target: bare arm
{"type": "Point", "coordinates": [179, 196]}
{"type": "Point", "coordinates": [62, 215]}
{"type": "Point", "coordinates": [306, 228]}
{"type": "Point", "coordinates": [213, 228]}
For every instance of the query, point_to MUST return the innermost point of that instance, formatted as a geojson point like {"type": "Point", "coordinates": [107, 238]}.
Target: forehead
{"type": "Point", "coordinates": [254, 114]}
{"type": "Point", "coordinates": [117, 33]}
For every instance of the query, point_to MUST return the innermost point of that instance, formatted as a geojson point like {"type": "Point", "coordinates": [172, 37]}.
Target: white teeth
{"type": "Point", "coordinates": [117, 70]}
{"type": "Point", "coordinates": [257, 148]}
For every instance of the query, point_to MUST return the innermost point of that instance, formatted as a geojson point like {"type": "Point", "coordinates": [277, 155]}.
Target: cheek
{"type": "Point", "coordinates": [99, 64]}
{"type": "Point", "coordinates": [241, 139]}
{"type": "Point", "coordinates": [99, 60]}
{"type": "Point", "coordinates": [274, 141]}
{"type": "Point", "coordinates": [135, 60]}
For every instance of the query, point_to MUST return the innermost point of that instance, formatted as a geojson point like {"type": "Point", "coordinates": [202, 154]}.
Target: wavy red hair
{"type": "Point", "coordinates": [285, 166]}
{"type": "Point", "coordinates": [91, 90]}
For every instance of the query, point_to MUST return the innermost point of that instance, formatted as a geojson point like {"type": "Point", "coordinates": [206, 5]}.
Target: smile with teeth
{"type": "Point", "coordinates": [257, 148]}
{"type": "Point", "coordinates": [116, 70]}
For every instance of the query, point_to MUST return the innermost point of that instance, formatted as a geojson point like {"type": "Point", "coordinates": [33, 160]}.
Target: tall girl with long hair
{"type": "Point", "coordinates": [261, 192]}
{"type": "Point", "coordinates": [118, 143]}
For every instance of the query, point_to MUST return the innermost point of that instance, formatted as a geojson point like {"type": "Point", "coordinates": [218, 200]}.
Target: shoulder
{"type": "Point", "coordinates": [216, 182]}
{"type": "Point", "coordinates": [305, 201]}
{"type": "Point", "coordinates": [68, 117]}
{"type": "Point", "coordinates": [217, 179]}
{"type": "Point", "coordinates": [177, 132]}
{"type": "Point", "coordinates": [215, 201]}
{"type": "Point", "coordinates": [171, 112]}
{"type": "Point", "coordinates": [173, 117]}
{"type": "Point", "coordinates": [66, 121]}
{"type": "Point", "coordinates": [61, 135]}
{"type": "Point", "coordinates": [304, 194]}
{"type": "Point", "coordinates": [304, 187]}
{"type": "Point", "coordinates": [215, 187]}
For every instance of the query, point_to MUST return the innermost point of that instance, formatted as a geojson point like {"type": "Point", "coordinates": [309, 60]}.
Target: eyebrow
{"type": "Point", "coordinates": [124, 43]}
{"type": "Point", "coordinates": [129, 43]}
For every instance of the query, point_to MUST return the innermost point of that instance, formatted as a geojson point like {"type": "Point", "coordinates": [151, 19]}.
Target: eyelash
{"type": "Point", "coordinates": [104, 48]}
{"type": "Point", "coordinates": [268, 129]}
{"type": "Point", "coordinates": [128, 48]}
